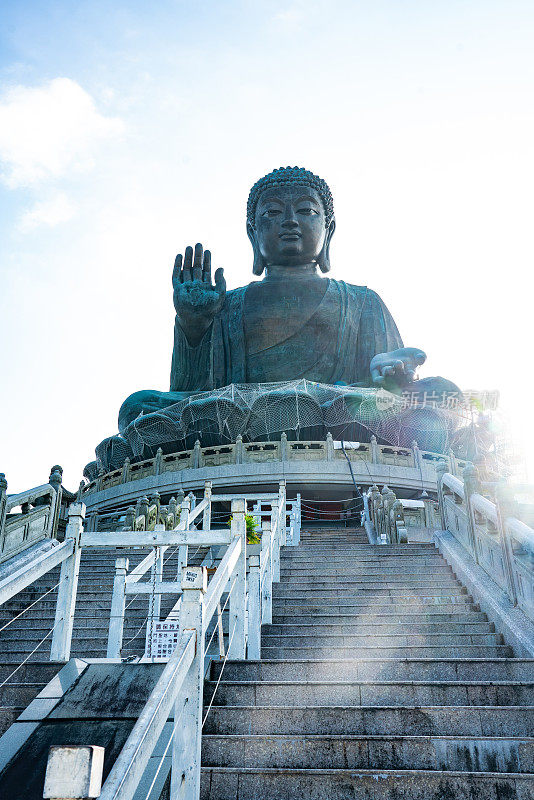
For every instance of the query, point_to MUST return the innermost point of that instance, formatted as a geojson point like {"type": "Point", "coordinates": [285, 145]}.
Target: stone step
{"type": "Point", "coordinates": [390, 640]}
{"type": "Point", "coordinates": [415, 600]}
{"type": "Point", "coordinates": [315, 751]}
{"type": "Point", "coordinates": [377, 578]}
{"type": "Point", "coordinates": [427, 618]}
{"type": "Point", "coordinates": [238, 783]}
{"type": "Point", "coordinates": [424, 590]}
{"type": "Point", "coordinates": [357, 628]}
{"type": "Point", "coordinates": [354, 607]}
{"type": "Point", "coordinates": [391, 693]}
{"type": "Point", "coordinates": [31, 673]}
{"type": "Point", "coordinates": [19, 694]}
{"type": "Point", "coordinates": [372, 720]}
{"type": "Point", "coordinates": [416, 651]}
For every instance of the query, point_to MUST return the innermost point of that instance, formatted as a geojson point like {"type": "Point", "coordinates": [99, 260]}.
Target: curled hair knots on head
{"type": "Point", "coordinates": [289, 176]}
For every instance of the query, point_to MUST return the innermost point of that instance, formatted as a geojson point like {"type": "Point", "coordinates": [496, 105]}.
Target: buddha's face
{"type": "Point", "coordinates": [290, 225]}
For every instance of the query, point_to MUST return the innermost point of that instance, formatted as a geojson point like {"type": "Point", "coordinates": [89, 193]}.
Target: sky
{"type": "Point", "coordinates": [130, 130]}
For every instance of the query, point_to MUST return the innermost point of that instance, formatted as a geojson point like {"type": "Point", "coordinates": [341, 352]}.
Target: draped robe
{"type": "Point", "coordinates": [335, 344]}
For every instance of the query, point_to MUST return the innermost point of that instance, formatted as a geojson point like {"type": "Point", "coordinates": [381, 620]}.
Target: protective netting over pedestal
{"type": "Point", "coordinates": [303, 410]}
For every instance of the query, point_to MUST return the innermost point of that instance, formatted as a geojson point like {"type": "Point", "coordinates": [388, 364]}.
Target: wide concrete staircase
{"type": "Point", "coordinates": [28, 637]}
{"type": "Point", "coordinates": [379, 678]}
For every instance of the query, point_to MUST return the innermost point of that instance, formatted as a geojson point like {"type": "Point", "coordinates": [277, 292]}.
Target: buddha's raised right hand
{"type": "Point", "coordinates": [196, 299]}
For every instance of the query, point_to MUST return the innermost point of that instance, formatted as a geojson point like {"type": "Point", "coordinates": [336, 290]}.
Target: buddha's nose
{"type": "Point", "coordinates": [290, 220]}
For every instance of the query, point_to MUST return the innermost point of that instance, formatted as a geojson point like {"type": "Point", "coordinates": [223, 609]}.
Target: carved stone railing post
{"type": "Point", "coordinates": [55, 482]}
{"type": "Point", "coordinates": [375, 450]}
{"type": "Point", "coordinates": [239, 450]}
{"type": "Point", "coordinates": [99, 479]}
{"type": "Point", "coordinates": [284, 449]}
{"type": "Point", "coordinates": [506, 507]}
{"type": "Point", "coordinates": [329, 447]}
{"type": "Point", "coordinates": [453, 464]}
{"type": "Point", "coordinates": [429, 517]}
{"type": "Point", "coordinates": [238, 596]}
{"type": "Point", "coordinates": [441, 468]}
{"type": "Point", "coordinates": [68, 587]}
{"type": "Point", "coordinates": [471, 486]}
{"type": "Point", "coordinates": [79, 494]}
{"type": "Point", "coordinates": [196, 456]}
{"type": "Point", "coordinates": [125, 476]}
{"type": "Point", "coordinates": [158, 461]}
{"type": "Point", "coordinates": [172, 520]}
{"type": "Point", "coordinates": [129, 522]}
{"type": "Point", "coordinates": [416, 456]}
{"type": "Point", "coordinates": [118, 605]}
{"type": "Point", "coordinates": [3, 502]}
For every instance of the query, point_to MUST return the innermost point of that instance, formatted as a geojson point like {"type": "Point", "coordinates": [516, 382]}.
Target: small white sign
{"type": "Point", "coordinates": [194, 578]}
{"type": "Point", "coordinates": [164, 639]}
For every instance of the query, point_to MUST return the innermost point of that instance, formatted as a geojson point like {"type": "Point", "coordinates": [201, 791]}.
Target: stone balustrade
{"type": "Point", "coordinates": [499, 543]}
{"type": "Point", "coordinates": [280, 451]}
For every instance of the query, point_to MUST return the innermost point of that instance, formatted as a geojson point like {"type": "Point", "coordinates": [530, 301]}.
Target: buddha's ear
{"type": "Point", "coordinates": [259, 263]}
{"type": "Point", "coordinates": [324, 256]}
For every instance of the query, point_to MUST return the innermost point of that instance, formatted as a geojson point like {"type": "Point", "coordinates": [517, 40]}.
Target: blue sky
{"type": "Point", "coordinates": [128, 131]}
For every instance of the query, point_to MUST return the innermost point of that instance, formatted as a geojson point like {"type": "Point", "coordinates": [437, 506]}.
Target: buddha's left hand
{"type": "Point", "coordinates": [397, 367]}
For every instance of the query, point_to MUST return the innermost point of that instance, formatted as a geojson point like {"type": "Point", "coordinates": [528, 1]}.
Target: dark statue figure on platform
{"type": "Point", "coordinates": [292, 325]}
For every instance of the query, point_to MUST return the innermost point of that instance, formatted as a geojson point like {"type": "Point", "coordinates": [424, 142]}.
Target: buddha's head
{"type": "Point", "coordinates": [290, 220]}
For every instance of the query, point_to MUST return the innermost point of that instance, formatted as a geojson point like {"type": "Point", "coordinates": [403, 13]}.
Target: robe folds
{"type": "Point", "coordinates": [335, 344]}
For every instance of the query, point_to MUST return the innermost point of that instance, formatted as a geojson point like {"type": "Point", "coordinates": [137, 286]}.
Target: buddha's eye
{"type": "Point", "coordinates": [307, 210]}
{"type": "Point", "coordinates": [271, 212]}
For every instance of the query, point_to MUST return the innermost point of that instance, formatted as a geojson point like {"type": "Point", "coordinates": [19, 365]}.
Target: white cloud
{"type": "Point", "coordinates": [48, 131]}
{"type": "Point", "coordinates": [50, 212]}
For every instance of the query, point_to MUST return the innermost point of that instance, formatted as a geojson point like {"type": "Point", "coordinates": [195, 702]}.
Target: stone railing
{"type": "Point", "coordinates": [30, 516]}
{"type": "Point", "coordinates": [387, 516]}
{"type": "Point", "coordinates": [499, 543]}
{"type": "Point", "coordinates": [282, 451]}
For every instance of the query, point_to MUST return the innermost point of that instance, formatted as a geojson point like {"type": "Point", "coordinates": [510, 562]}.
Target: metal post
{"type": "Point", "coordinates": [186, 747]}
{"type": "Point", "coordinates": [267, 588]}
{"type": "Point", "coordinates": [375, 451]}
{"type": "Point", "coordinates": [238, 597]}
{"type": "Point", "coordinates": [254, 607]}
{"type": "Point", "coordinates": [206, 516]}
{"type": "Point", "coordinates": [118, 605]}
{"type": "Point", "coordinates": [68, 586]}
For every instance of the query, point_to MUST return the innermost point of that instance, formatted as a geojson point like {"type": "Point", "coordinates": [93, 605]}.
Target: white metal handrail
{"type": "Point", "coordinates": [123, 780]}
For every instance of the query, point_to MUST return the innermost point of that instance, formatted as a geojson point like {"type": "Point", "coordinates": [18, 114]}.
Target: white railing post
{"type": "Point", "coordinates": [238, 597]}
{"type": "Point", "coordinates": [118, 604]}
{"type": "Point", "coordinates": [298, 521]}
{"type": "Point", "coordinates": [3, 501]}
{"type": "Point", "coordinates": [206, 516]}
{"type": "Point", "coordinates": [183, 525]}
{"type": "Point", "coordinates": [154, 601]}
{"type": "Point", "coordinates": [267, 587]}
{"type": "Point", "coordinates": [283, 512]}
{"type": "Point", "coordinates": [68, 586]}
{"type": "Point", "coordinates": [275, 534]}
{"type": "Point", "coordinates": [254, 605]}
{"type": "Point", "coordinates": [186, 747]}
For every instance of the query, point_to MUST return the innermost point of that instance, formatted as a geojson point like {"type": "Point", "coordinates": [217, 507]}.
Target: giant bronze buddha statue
{"type": "Point", "coordinates": [293, 324]}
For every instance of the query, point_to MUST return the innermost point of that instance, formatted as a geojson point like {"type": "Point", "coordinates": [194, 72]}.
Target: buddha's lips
{"type": "Point", "coordinates": [290, 236]}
